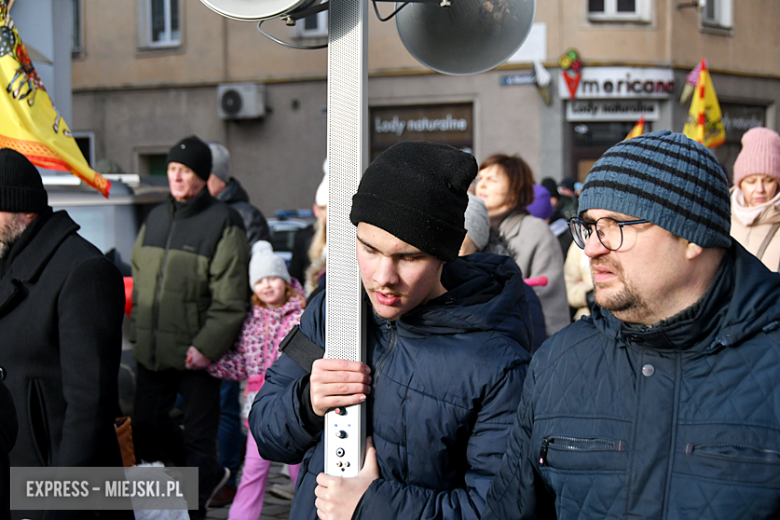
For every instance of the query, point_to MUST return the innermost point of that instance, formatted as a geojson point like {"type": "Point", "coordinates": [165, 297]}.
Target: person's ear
{"type": "Point", "coordinates": [693, 251]}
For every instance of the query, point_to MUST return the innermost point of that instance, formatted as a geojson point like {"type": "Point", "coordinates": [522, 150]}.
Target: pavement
{"type": "Point", "coordinates": [273, 508]}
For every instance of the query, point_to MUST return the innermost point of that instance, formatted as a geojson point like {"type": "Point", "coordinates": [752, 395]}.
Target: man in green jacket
{"type": "Point", "coordinates": [190, 265]}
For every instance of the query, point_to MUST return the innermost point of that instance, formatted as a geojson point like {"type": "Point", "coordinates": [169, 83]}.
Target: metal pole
{"type": "Point", "coordinates": [345, 437]}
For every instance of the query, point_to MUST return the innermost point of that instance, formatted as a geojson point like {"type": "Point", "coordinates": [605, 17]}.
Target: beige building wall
{"type": "Point", "coordinates": [139, 101]}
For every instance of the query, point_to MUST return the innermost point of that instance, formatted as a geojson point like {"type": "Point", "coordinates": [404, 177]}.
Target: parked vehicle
{"type": "Point", "coordinates": [284, 225]}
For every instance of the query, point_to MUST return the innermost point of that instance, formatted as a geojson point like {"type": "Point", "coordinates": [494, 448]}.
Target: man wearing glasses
{"type": "Point", "coordinates": [666, 402]}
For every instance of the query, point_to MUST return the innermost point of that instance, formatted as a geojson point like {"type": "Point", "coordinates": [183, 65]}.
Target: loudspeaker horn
{"type": "Point", "coordinates": [255, 10]}
{"type": "Point", "coordinates": [466, 37]}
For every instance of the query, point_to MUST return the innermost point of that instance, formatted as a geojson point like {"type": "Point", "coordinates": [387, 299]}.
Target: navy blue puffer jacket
{"type": "Point", "coordinates": [675, 422]}
{"type": "Point", "coordinates": [447, 378]}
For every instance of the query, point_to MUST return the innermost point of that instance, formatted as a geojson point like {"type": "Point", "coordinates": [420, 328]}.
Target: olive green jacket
{"type": "Point", "coordinates": [189, 282]}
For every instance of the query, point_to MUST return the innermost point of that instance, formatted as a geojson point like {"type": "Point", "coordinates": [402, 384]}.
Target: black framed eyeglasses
{"type": "Point", "coordinates": [608, 230]}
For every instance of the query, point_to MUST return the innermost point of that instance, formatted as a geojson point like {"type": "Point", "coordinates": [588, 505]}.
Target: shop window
{"type": "Point", "coordinates": [159, 23]}
{"type": "Point", "coordinates": [619, 10]}
{"type": "Point", "coordinates": [717, 13]}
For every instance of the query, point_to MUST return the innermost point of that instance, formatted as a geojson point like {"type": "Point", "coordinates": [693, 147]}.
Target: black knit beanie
{"type": "Point", "coordinates": [21, 188]}
{"type": "Point", "coordinates": [416, 191]}
{"type": "Point", "coordinates": [194, 154]}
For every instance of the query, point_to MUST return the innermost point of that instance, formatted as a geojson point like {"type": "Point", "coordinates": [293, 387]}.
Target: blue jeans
{"type": "Point", "coordinates": [230, 438]}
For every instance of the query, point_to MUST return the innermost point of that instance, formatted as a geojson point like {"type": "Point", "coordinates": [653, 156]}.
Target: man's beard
{"type": "Point", "coordinates": [627, 299]}
{"type": "Point", "coordinates": [10, 233]}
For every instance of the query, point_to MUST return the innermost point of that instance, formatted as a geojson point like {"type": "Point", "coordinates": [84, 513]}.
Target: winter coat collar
{"type": "Point", "coordinates": [233, 192]}
{"type": "Point", "coordinates": [767, 213]}
{"type": "Point", "coordinates": [484, 292]}
{"type": "Point", "coordinates": [46, 234]}
{"type": "Point", "coordinates": [188, 208]}
{"type": "Point", "coordinates": [510, 226]}
{"type": "Point", "coordinates": [33, 251]}
{"type": "Point", "coordinates": [743, 299]}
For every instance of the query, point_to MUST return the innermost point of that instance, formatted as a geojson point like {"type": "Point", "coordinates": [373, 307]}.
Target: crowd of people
{"type": "Point", "coordinates": [605, 349]}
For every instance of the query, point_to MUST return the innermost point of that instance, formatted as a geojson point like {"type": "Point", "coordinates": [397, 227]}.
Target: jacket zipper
{"type": "Point", "coordinates": [158, 295]}
{"type": "Point", "coordinates": [383, 358]}
{"type": "Point", "coordinates": [578, 444]}
{"type": "Point", "coordinates": [734, 452]}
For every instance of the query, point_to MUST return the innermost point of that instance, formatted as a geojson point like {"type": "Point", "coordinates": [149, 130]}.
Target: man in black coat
{"type": "Point", "coordinates": [61, 306]}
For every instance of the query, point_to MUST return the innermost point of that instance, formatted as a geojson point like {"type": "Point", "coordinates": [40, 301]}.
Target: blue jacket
{"type": "Point", "coordinates": [447, 378]}
{"type": "Point", "coordinates": [680, 421]}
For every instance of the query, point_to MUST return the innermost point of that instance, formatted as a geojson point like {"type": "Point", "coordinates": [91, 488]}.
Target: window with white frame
{"type": "Point", "coordinates": [620, 10]}
{"type": "Point", "coordinates": [717, 13]}
{"type": "Point", "coordinates": [313, 26]}
{"type": "Point", "coordinates": [159, 23]}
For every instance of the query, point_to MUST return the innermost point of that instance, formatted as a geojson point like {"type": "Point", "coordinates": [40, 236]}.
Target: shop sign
{"type": "Point", "coordinates": [613, 110]}
{"type": "Point", "coordinates": [738, 119]}
{"type": "Point", "coordinates": [421, 122]}
{"type": "Point", "coordinates": [619, 83]}
{"type": "Point", "coordinates": [517, 79]}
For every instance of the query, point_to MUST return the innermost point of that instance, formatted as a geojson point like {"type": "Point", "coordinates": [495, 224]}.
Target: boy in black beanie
{"type": "Point", "coordinates": [447, 351]}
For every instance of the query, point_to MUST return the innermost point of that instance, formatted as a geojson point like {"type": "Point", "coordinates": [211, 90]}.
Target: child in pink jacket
{"type": "Point", "coordinates": [277, 305]}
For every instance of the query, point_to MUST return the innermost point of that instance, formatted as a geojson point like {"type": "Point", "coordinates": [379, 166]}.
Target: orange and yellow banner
{"type": "Point", "coordinates": [639, 128]}
{"type": "Point", "coordinates": [29, 123]}
{"type": "Point", "coordinates": [705, 123]}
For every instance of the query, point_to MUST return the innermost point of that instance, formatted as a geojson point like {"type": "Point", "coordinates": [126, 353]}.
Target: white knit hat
{"type": "Point", "coordinates": [321, 198]}
{"type": "Point", "coordinates": [477, 222]}
{"type": "Point", "coordinates": [265, 263]}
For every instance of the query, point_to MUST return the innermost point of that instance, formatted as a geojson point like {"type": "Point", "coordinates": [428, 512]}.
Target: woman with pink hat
{"type": "Point", "coordinates": [755, 198]}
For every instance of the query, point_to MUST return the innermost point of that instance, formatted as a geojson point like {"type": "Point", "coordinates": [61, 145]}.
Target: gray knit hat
{"type": "Point", "coordinates": [477, 222]}
{"type": "Point", "coordinates": [668, 179]}
{"type": "Point", "coordinates": [265, 263]}
{"type": "Point", "coordinates": [220, 162]}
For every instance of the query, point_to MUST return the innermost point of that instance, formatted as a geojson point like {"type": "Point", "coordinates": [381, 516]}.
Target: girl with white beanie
{"type": "Point", "coordinates": [277, 305]}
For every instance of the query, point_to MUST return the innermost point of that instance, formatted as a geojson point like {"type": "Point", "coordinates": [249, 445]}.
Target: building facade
{"type": "Point", "coordinates": [148, 72]}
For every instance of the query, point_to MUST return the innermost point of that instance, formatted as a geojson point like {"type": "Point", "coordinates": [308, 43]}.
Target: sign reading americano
{"type": "Point", "coordinates": [621, 83]}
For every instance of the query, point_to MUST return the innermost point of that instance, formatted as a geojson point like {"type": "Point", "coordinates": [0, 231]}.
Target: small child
{"type": "Point", "coordinates": [277, 305]}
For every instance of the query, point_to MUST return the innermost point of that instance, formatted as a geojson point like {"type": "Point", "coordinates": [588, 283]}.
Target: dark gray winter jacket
{"type": "Point", "coordinates": [254, 222]}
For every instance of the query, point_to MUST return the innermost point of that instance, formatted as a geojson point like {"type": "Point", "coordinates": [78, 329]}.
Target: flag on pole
{"type": "Point", "coordinates": [29, 123]}
{"type": "Point", "coordinates": [690, 82]}
{"type": "Point", "coordinates": [704, 118]}
{"type": "Point", "coordinates": [639, 128]}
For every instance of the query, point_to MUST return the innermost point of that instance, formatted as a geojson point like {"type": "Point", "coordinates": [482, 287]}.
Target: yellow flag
{"type": "Point", "coordinates": [639, 128]}
{"type": "Point", "coordinates": [29, 123]}
{"type": "Point", "coordinates": [705, 123]}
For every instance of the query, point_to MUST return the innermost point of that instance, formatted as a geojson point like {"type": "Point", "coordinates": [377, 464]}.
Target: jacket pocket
{"type": "Point", "coordinates": [565, 443]}
{"type": "Point", "coordinates": [39, 424]}
{"type": "Point", "coordinates": [732, 452]}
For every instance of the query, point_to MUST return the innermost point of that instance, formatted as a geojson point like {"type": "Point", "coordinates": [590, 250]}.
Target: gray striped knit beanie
{"type": "Point", "coordinates": [668, 179]}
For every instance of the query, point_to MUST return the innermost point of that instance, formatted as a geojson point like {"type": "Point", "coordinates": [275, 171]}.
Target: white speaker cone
{"type": "Point", "coordinates": [254, 10]}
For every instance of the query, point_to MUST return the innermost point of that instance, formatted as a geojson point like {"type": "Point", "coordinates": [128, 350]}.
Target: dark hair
{"type": "Point", "coordinates": [521, 178]}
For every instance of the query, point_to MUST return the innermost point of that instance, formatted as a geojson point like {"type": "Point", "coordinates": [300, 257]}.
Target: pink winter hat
{"type": "Point", "coordinates": [760, 155]}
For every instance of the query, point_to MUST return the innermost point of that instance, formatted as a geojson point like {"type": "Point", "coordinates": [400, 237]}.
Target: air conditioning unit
{"type": "Point", "coordinates": [241, 100]}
